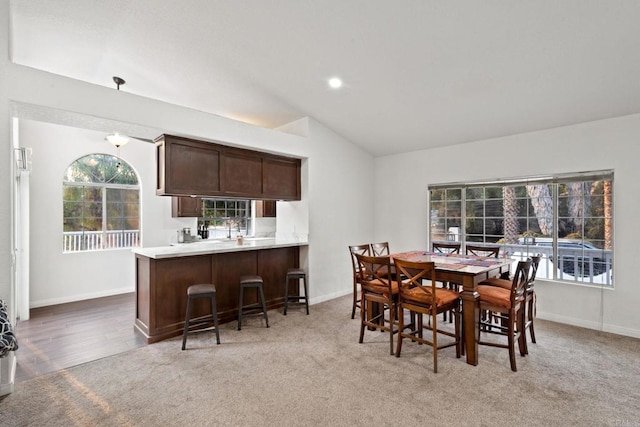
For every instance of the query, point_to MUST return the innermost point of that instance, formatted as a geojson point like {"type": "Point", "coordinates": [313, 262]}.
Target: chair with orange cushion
{"type": "Point", "coordinates": [447, 248]}
{"type": "Point", "coordinates": [509, 306]}
{"type": "Point", "coordinates": [479, 250]}
{"type": "Point", "coordinates": [379, 295]}
{"type": "Point", "coordinates": [380, 249]}
{"type": "Point", "coordinates": [353, 250]}
{"type": "Point", "coordinates": [425, 299]}
{"type": "Point", "coordinates": [530, 295]}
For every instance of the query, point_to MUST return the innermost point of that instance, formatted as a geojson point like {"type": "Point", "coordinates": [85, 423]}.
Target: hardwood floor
{"type": "Point", "coordinates": [65, 335]}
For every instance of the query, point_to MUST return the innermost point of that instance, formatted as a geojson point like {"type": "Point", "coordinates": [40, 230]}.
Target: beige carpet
{"type": "Point", "coordinates": [310, 370]}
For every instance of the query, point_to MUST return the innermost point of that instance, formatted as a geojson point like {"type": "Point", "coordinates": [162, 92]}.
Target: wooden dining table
{"type": "Point", "coordinates": [468, 271]}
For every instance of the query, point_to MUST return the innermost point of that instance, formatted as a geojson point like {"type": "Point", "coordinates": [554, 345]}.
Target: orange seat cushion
{"type": "Point", "coordinates": [495, 295]}
{"type": "Point", "coordinates": [442, 297]}
{"type": "Point", "coordinates": [380, 287]}
{"type": "Point", "coordinates": [494, 281]}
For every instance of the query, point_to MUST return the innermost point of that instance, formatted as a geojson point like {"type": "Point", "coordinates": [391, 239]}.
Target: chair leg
{"type": "Point", "coordinates": [522, 334]}
{"type": "Point", "coordinates": [458, 338]}
{"type": "Point", "coordinates": [240, 304]}
{"type": "Point", "coordinates": [355, 300]}
{"type": "Point", "coordinates": [214, 313]}
{"type": "Point", "coordinates": [306, 293]}
{"type": "Point", "coordinates": [531, 310]}
{"type": "Point", "coordinates": [363, 314]}
{"type": "Point", "coordinates": [186, 324]}
{"type": "Point", "coordinates": [392, 314]}
{"type": "Point", "coordinates": [511, 340]}
{"type": "Point", "coordinates": [286, 294]}
{"type": "Point", "coordinates": [435, 342]}
{"type": "Point", "coordinates": [400, 329]}
{"type": "Point", "coordinates": [264, 306]}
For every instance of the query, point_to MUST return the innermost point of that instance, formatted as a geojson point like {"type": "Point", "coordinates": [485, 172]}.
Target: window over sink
{"type": "Point", "coordinates": [226, 218]}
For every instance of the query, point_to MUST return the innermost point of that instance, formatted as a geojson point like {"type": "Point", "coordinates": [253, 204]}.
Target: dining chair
{"type": "Point", "coordinates": [425, 299]}
{"type": "Point", "coordinates": [353, 250]}
{"type": "Point", "coordinates": [378, 296]}
{"type": "Point", "coordinates": [530, 295]}
{"type": "Point", "coordinates": [509, 306]}
{"type": "Point", "coordinates": [480, 250]}
{"type": "Point", "coordinates": [382, 249]}
{"type": "Point", "coordinates": [447, 248]}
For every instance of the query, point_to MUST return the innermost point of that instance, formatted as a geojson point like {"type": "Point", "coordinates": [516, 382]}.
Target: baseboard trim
{"type": "Point", "coordinates": [598, 326]}
{"type": "Point", "coordinates": [328, 297]}
{"type": "Point", "coordinates": [74, 298]}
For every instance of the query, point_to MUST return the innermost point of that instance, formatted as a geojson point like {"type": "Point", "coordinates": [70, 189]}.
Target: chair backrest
{"type": "Point", "coordinates": [488, 251]}
{"type": "Point", "coordinates": [446, 248]}
{"type": "Point", "coordinates": [410, 274]}
{"type": "Point", "coordinates": [380, 249]}
{"type": "Point", "coordinates": [535, 261]}
{"type": "Point", "coordinates": [358, 249]}
{"type": "Point", "coordinates": [519, 283]}
{"type": "Point", "coordinates": [373, 272]}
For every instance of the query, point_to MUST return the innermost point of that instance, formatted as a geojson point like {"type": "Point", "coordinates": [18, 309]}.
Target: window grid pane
{"type": "Point", "coordinates": [573, 230]}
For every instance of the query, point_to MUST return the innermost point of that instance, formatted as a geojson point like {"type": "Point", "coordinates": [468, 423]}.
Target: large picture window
{"type": "Point", "coordinates": [101, 205]}
{"type": "Point", "coordinates": [568, 219]}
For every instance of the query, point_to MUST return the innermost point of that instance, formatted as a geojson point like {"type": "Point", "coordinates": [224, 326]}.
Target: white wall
{"type": "Point", "coordinates": [401, 204]}
{"type": "Point", "coordinates": [7, 364]}
{"type": "Point", "coordinates": [336, 192]}
{"type": "Point", "coordinates": [56, 277]}
{"type": "Point", "coordinates": [341, 209]}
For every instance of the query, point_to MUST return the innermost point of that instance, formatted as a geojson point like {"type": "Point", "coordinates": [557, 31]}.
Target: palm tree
{"type": "Point", "coordinates": [542, 206]}
{"type": "Point", "coordinates": [510, 208]}
{"type": "Point", "coordinates": [579, 203]}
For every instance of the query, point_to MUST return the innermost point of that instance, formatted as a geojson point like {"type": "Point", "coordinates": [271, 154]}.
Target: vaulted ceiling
{"type": "Point", "coordinates": [417, 73]}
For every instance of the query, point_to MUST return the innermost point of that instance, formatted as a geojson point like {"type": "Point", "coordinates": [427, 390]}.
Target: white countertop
{"type": "Point", "coordinates": [213, 246]}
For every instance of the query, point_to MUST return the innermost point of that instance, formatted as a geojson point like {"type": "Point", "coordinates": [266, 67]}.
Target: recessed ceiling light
{"type": "Point", "coordinates": [335, 82]}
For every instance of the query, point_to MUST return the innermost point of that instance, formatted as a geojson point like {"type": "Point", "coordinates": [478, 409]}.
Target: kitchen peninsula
{"type": "Point", "coordinates": [164, 273]}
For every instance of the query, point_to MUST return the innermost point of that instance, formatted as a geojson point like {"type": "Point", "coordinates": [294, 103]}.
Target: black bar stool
{"type": "Point", "coordinates": [296, 274]}
{"type": "Point", "coordinates": [200, 291]}
{"type": "Point", "coordinates": [251, 282]}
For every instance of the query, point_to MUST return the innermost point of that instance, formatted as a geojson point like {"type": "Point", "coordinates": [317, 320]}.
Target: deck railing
{"type": "Point", "coordinates": [76, 241]}
{"type": "Point", "coordinates": [575, 264]}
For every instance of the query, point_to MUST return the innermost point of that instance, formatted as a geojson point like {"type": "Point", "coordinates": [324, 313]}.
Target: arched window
{"type": "Point", "coordinates": [101, 204]}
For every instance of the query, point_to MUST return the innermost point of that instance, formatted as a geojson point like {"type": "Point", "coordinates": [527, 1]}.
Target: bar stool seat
{"type": "Point", "coordinates": [296, 274]}
{"type": "Point", "coordinates": [195, 292]}
{"type": "Point", "coordinates": [252, 281]}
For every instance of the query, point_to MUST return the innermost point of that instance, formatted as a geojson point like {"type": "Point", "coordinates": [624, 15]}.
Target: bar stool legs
{"type": "Point", "coordinates": [251, 282]}
{"type": "Point", "coordinates": [296, 274]}
{"type": "Point", "coordinates": [200, 291]}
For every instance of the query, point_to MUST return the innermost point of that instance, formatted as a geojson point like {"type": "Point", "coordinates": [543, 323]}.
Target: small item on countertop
{"type": "Point", "coordinates": [180, 236]}
{"type": "Point", "coordinates": [239, 239]}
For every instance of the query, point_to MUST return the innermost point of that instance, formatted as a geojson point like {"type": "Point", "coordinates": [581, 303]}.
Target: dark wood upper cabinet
{"type": "Point", "coordinates": [281, 178]}
{"type": "Point", "coordinates": [186, 206]}
{"type": "Point", "coordinates": [242, 173]}
{"type": "Point", "coordinates": [190, 167]}
{"type": "Point", "coordinates": [265, 208]}
{"type": "Point", "coordinates": [187, 167]}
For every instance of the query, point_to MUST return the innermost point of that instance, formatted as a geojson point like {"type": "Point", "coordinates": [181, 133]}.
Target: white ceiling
{"type": "Point", "coordinates": [417, 73]}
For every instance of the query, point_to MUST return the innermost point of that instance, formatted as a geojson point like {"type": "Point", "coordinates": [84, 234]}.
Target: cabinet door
{"type": "Point", "coordinates": [186, 207]}
{"type": "Point", "coordinates": [265, 208]}
{"type": "Point", "coordinates": [241, 173]}
{"type": "Point", "coordinates": [281, 178]}
{"type": "Point", "coordinates": [187, 167]}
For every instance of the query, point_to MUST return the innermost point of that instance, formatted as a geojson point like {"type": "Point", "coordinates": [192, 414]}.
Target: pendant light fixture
{"type": "Point", "coordinates": [116, 139]}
